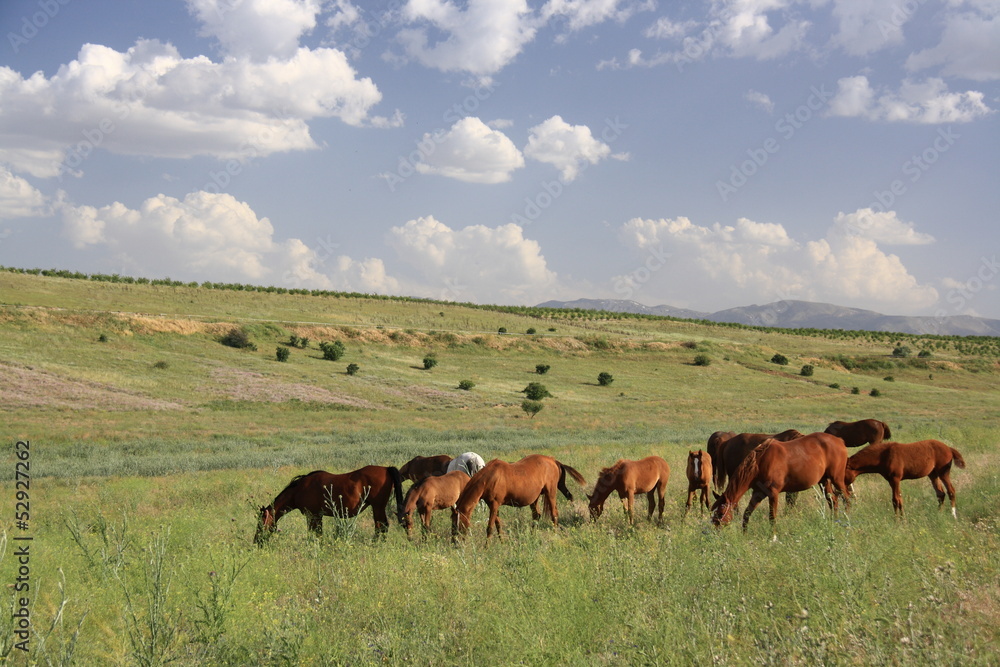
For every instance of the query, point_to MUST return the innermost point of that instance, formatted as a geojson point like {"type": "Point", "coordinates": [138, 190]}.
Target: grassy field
{"type": "Point", "coordinates": [152, 444]}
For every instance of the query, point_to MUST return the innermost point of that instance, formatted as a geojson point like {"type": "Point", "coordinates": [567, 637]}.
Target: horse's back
{"type": "Point", "coordinates": [915, 460]}
{"type": "Point", "coordinates": [811, 458]}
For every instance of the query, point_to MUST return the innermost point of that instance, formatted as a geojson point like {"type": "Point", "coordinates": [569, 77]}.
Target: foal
{"type": "Point", "coordinates": [699, 475]}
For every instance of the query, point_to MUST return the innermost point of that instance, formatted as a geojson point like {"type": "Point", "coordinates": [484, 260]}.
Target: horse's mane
{"type": "Point", "coordinates": [747, 470]}
{"type": "Point", "coordinates": [298, 480]}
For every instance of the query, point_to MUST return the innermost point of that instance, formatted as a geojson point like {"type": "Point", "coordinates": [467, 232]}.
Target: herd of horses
{"type": "Point", "coordinates": [765, 465]}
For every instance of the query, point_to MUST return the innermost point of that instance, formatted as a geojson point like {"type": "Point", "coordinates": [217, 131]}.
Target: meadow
{"type": "Point", "coordinates": [152, 445]}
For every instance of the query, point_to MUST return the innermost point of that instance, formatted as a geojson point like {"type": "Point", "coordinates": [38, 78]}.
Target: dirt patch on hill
{"type": "Point", "coordinates": [27, 387]}
{"type": "Point", "coordinates": [240, 385]}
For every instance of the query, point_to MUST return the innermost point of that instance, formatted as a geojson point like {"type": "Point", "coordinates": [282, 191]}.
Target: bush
{"type": "Point", "coordinates": [332, 351]}
{"type": "Point", "coordinates": [535, 391]}
{"type": "Point", "coordinates": [531, 408]}
{"type": "Point", "coordinates": [901, 351]}
{"type": "Point", "coordinates": [502, 330]}
{"type": "Point", "coordinates": [807, 370]}
{"type": "Point", "coordinates": [238, 338]}
{"type": "Point", "coordinates": [295, 341]}
{"type": "Point", "coordinates": [282, 353]}
{"type": "Point", "coordinates": [874, 392]}
{"type": "Point", "coordinates": [430, 361]}
{"type": "Point", "coordinates": [604, 379]}
{"type": "Point", "coordinates": [702, 360]}
{"type": "Point", "coordinates": [161, 365]}
{"type": "Point", "coordinates": [352, 369]}
{"type": "Point", "coordinates": [923, 354]}
{"type": "Point", "coordinates": [779, 359]}
{"type": "Point", "coordinates": [103, 338]}
{"type": "Point", "coordinates": [542, 369]}
{"type": "Point", "coordinates": [889, 378]}
{"type": "Point", "coordinates": [466, 385]}
{"type": "Point", "coordinates": [835, 385]}
{"type": "Point", "coordinates": [531, 331]}
{"type": "Point", "coordinates": [855, 390]}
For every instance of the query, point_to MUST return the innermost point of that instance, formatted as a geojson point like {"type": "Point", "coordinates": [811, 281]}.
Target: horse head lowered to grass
{"type": "Point", "coordinates": [320, 493]}
{"type": "Point", "coordinates": [646, 476]}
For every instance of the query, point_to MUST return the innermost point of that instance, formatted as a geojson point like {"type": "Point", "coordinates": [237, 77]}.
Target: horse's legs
{"type": "Point", "coordinates": [897, 497]}
{"type": "Point", "coordinates": [550, 505]}
{"type": "Point", "coordinates": [315, 522]}
{"type": "Point", "coordinates": [535, 514]}
{"type": "Point", "coordinates": [791, 497]}
{"type": "Point", "coordinates": [946, 478]}
{"type": "Point", "coordinates": [651, 500]}
{"type": "Point", "coordinates": [661, 492]}
{"type": "Point", "coordinates": [629, 502]}
{"type": "Point", "coordinates": [493, 520]}
{"type": "Point", "coordinates": [691, 494]}
{"type": "Point", "coordinates": [755, 499]}
{"type": "Point", "coordinates": [705, 497]}
{"type": "Point", "coordinates": [425, 517]}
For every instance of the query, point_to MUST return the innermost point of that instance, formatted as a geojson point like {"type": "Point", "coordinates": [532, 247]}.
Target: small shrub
{"type": "Point", "coordinates": [855, 390]}
{"type": "Point", "coordinates": [542, 369]}
{"type": "Point", "coordinates": [161, 365]}
{"type": "Point", "coordinates": [874, 392]}
{"type": "Point", "coordinates": [779, 359]}
{"type": "Point", "coordinates": [531, 408]}
{"type": "Point", "coordinates": [282, 353]}
{"type": "Point", "coordinates": [303, 342]}
{"type": "Point", "coordinates": [923, 354]}
{"type": "Point", "coordinates": [689, 345]}
{"type": "Point", "coordinates": [807, 371]}
{"type": "Point", "coordinates": [293, 340]}
{"type": "Point", "coordinates": [103, 338]}
{"type": "Point", "coordinates": [352, 369]}
{"type": "Point", "coordinates": [702, 360]}
{"type": "Point", "coordinates": [502, 330]}
{"type": "Point", "coordinates": [535, 391]}
{"type": "Point", "coordinates": [430, 361]}
{"type": "Point", "coordinates": [552, 328]}
{"type": "Point", "coordinates": [466, 385]}
{"type": "Point", "coordinates": [889, 378]}
{"type": "Point", "coordinates": [901, 351]}
{"type": "Point", "coordinates": [835, 385]}
{"type": "Point", "coordinates": [531, 331]}
{"type": "Point", "coordinates": [238, 338]}
{"type": "Point", "coordinates": [332, 351]}
{"type": "Point", "coordinates": [604, 379]}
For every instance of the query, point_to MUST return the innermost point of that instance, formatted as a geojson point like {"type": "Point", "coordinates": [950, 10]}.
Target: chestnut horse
{"type": "Point", "coordinates": [897, 461]}
{"type": "Point", "coordinates": [429, 494]}
{"type": "Point", "coordinates": [699, 475]}
{"type": "Point", "coordinates": [420, 467]}
{"type": "Point", "coordinates": [516, 484]}
{"type": "Point", "coordinates": [648, 475]}
{"type": "Point", "coordinates": [775, 466]}
{"type": "Point", "coordinates": [732, 451]}
{"type": "Point", "coordinates": [321, 493]}
{"type": "Point", "coordinates": [855, 434]}
{"type": "Point", "coordinates": [714, 449]}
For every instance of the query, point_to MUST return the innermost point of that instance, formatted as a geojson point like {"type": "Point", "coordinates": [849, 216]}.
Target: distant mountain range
{"type": "Point", "coordinates": [804, 315]}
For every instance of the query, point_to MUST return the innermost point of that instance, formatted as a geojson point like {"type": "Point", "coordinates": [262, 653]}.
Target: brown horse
{"type": "Point", "coordinates": [714, 449]}
{"type": "Point", "coordinates": [855, 434]}
{"type": "Point", "coordinates": [735, 449]}
{"type": "Point", "coordinates": [516, 484]}
{"type": "Point", "coordinates": [320, 494]}
{"type": "Point", "coordinates": [775, 466]}
{"type": "Point", "coordinates": [648, 475]}
{"type": "Point", "coordinates": [897, 461]}
{"type": "Point", "coordinates": [429, 494]}
{"type": "Point", "coordinates": [420, 467]}
{"type": "Point", "coordinates": [699, 475]}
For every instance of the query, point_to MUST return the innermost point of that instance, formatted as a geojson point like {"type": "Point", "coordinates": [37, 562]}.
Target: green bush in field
{"type": "Point", "coordinates": [779, 359]}
{"type": "Point", "coordinates": [807, 371]}
{"type": "Point", "coordinates": [604, 379]}
{"type": "Point", "coordinates": [874, 392]}
{"type": "Point", "coordinates": [901, 351]}
{"type": "Point", "coordinates": [237, 337]}
{"type": "Point", "coordinates": [531, 408]}
{"type": "Point", "coordinates": [333, 351]}
{"type": "Point", "coordinates": [282, 353]}
{"type": "Point", "coordinates": [352, 369]}
{"type": "Point", "coordinates": [702, 360]}
{"type": "Point", "coordinates": [535, 391]}
{"type": "Point", "coordinates": [542, 369]}
{"type": "Point", "coordinates": [855, 390]}
{"type": "Point", "coordinates": [466, 384]}
{"type": "Point", "coordinates": [531, 331]}
{"type": "Point", "coordinates": [430, 361]}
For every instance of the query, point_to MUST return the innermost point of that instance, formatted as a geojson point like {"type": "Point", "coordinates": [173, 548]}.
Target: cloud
{"type": "Point", "coordinates": [256, 29]}
{"type": "Point", "coordinates": [567, 147]}
{"type": "Point", "coordinates": [866, 26]}
{"type": "Point", "coordinates": [480, 39]}
{"type": "Point", "coordinates": [581, 14]}
{"type": "Point", "coordinates": [18, 198]}
{"type": "Point", "coordinates": [664, 28]}
{"type": "Point", "coordinates": [969, 46]}
{"type": "Point", "coordinates": [151, 101]}
{"type": "Point", "coordinates": [926, 102]}
{"type": "Point", "coordinates": [760, 262]}
{"type": "Point", "coordinates": [475, 263]}
{"type": "Point", "coordinates": [472, 152]}
{"type": "Point", "coordinates": [760, 100]}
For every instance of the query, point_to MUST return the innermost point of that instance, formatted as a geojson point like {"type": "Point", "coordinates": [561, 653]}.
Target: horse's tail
{"type": "Point", "coordinates": [563, 469]}
{"type": "Point", "coordinates": [956, 458]}
{"type": "Point", "coordinates": [397, 487]}
{"type": "Point", "coordinates": [886, 433]}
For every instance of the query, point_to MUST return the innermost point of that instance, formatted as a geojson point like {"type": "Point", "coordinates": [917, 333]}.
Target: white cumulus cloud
{"type": "Point", "coordinates": [18, 198]}
{"type": "Point", "coordinates": [470, 151]}
{"type": "Point", "coordinates": [970, 44]}
{"type": "Point", "coordinates": [567, 147]}
{"type": "Point", "coordinates": [256, 28]}
{"type": "Point", "coordinates": [926, 102]}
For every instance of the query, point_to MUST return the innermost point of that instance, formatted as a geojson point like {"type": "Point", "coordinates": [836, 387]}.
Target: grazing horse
{"type": "Point", "coordinates": [774, 466]}
{"type": "Point", "coordinates": [855, 434]}
{"type": "Point", "coordinates": [735, 449]}
{"type": "Point", "coordinates": [321, 493]}
{"type": "Point", "coordinates": [716, 441]}
{"type": "Point", "coordinates": [429, 494]}
{"type": "Point", "coordinates": [516, 484]}
{"type": "Point", "coordinates": [420, 467]}
{"type": "Point", "coordinates": [897, 461]}
{"type": "Point", "coordinates": [470, 463]}
{"type": "Point", "coordinates": [648, 475]}
{"type": "Point", "coordinates": [699, 475]}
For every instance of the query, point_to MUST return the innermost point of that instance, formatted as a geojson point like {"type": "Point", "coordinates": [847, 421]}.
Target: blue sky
{"type": "Point", "coordinates": [702, 155]}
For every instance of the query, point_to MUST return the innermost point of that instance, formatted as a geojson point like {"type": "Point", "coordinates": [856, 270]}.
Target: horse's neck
{"type": "Point", "coordinates": [603, 489]}
{"type": "Point", "coordinates": [471, 495]}
{"type": "Point", "coordinates": [865, 459]}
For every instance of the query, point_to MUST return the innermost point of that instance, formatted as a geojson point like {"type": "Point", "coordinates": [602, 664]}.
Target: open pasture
{"type": "Point", "coordinates": [146, 484]}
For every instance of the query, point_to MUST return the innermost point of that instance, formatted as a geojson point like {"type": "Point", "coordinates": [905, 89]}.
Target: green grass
{"type": "Point", "coordinates": [145, 482]}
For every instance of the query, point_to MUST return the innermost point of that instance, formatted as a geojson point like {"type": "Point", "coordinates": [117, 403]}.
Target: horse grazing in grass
{"type": "Point", "coordinates": [855, 434]}
{"type": "Point", "coordinates": [716, 443]}
{"type": "Point", "coordinates": [774, 466]}
{"type": "Point", "coordinates": [429, 494]}
{"type": "Point", "coordinates": [735, 449]}
{"type": "Point", "coordinates": [470, 463]}
{"type": "Point", "coordinates": [420, 467]}
{"type": "Point", "coordinates": [516, 484]}
{"type": "Point", "coordinates": [897, 461]}
{"type": "Point", "coordinates": [699, 476]}
{"type": "Point", "coordinates": [648, 475]}
{"type": "Point", "coordinates": [321, 493]}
